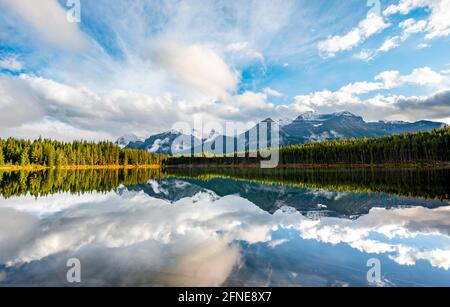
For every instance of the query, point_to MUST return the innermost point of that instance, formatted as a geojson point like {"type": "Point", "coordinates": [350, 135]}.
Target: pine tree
{"type": "Point", "coordinates": [125, 158]}
{"type": "Point", "coordinates": [36, 155]}
{"type": "Point", "coordinates": [61, 158]}
{"type": "Point", "coordinates": [2, 158]}
{"type": "Point", "coordinates": [49, 153]}
{"type": "Point", "coordinates": [24, 159]}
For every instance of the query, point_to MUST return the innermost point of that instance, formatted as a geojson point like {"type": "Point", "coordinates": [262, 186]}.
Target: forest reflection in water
{"type": "Point", "coordinates": [432, 184]}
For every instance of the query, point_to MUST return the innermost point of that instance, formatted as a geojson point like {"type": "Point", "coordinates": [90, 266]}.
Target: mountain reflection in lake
{"type": "Point", "coordinates": [225, 227]}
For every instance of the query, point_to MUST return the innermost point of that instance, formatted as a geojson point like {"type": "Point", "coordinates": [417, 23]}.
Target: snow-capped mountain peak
{"type": "Point", "coordinates": [308, 127]}
{"type": "Point", "coordinates": [344, 113]}
{"type": "Point", "coordinates": [126, 139]}
{"type": "Point", "coordinates": [309, 116]}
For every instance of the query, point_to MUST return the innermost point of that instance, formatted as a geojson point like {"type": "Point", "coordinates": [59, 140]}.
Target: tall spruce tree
{"type": "Point", "coordinates": [24, 158]}
{"type": "Point", "coordinates": [2, 157]}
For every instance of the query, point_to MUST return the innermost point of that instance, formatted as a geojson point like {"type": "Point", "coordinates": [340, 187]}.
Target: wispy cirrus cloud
{"type": "Point", "coordinates": [434, 26]}
{"type": "Point", "coordinates": [371, 25]}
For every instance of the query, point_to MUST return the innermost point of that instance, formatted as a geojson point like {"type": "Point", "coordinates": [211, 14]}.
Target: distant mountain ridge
{"type": "Point", "coordinates": [313, 127]}
{"type": "Point", "coordinates": [123, 141]}
{"type": "Point", "coordinates": [307, 127]}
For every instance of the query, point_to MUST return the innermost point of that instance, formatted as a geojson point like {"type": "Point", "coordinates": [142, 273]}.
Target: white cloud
{"type": "Point", "coordinates": [199, 67]}
{"type": "Point", "coordinates": [409, 256]}
{"type": "Point", "coordinates": [188, 68]}
{"type": "Point", "coordinates": [390, 79]}
{"type": "Point", "coordinates": [338, 43]}
{"type": "Point", "coordinates": [419, 76]}
{"type": "Point", "coordinates": [362, 87]}
{"type": "Point", "coordinates": [365, 55]}
{"type": "Point", "coordinates": [236, 47]}
{"type": "Point", "coordinates": [17, 103]}
{"type": "Point", "coordinates": [242, 52]}
{"type": "Point", "coordinates": [249, 101]}
{"type": "Point", "coordinates": [39, 106]}
{"type": "Point", "coordinates": [386, 80]}
{"type": "Point", "coordinates": [10, 62]}
{"type": "Point", "coordinates": [209, 264]}
{"type": "Point", "coordinates": [321, 100]}
{"type": "Point", "coordinates": [49, 20]}
{"type": "Point", "coordinates": [389, 44]}
{"type": "Point", "coordinates": [438, 23]}
{"type": "Point", "coordinates": [271, 92]}
{"type": "Point", "coordinates": [54, 129]}
{"type": "Point", "coordinates": [34, 106]}
{"type": "Point", "coordinates": [371, 25]}
{"type": "Point", "coordinates": [423, 46]}
{"type": "Point", "coordinates": [423, 76]}
{"type": "Point", "coordinates": [411, 26]}
{"type": "Point", "coordinates": [403, 7]}
{"type": "Point", "coordinates": [392, 107]}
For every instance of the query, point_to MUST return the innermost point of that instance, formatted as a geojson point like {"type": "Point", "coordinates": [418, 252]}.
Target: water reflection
{"type": "Point", "coordinates": [189, 231]}
{"type": "Point", "coordinates": [48, 182]}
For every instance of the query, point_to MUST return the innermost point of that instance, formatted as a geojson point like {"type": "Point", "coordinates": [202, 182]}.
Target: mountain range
{"type": "Point", "coordinates": [271, 198]}
{"type": "Point", "coordinates": [308, 127]}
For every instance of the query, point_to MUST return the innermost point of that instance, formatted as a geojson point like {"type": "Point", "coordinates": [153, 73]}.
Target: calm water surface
{"type": "Point", "coordinates": [226, 227]}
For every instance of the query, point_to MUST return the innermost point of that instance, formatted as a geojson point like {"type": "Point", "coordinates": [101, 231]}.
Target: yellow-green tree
{"type": "Point", "coordinates": [2, 158]}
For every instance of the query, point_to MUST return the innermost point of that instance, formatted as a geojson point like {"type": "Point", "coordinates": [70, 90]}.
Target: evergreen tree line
{"type": "Point", "coordinates": [420, 147]}
{"type": "Point", "coordinates": [54, 153]}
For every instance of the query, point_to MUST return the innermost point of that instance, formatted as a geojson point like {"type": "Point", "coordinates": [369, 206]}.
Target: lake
{"type": "Point", "coordinates": [226, 227]}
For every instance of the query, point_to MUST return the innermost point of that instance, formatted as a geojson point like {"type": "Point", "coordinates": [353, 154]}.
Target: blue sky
{"type": "Point", "coordinates": [142, 66]}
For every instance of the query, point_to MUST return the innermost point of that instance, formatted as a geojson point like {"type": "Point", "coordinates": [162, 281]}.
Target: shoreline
{"type": "Point", "coordinates": [437, 165]}
{"type": "Point", "coordinates": [14, 168]}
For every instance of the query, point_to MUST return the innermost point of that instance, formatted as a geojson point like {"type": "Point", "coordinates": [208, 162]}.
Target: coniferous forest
{"type": "Point", "coordinates": [49, 153]}
{"type": "Point", "coordinates": [420, 147]}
